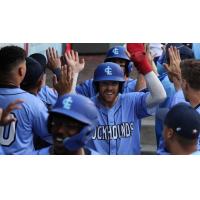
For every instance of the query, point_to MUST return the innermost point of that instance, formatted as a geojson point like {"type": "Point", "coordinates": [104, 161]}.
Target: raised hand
{"type": "Point", "coordinates": [53, 59]}
{"type": "Point", "coordinates": [139, 57]}
{"type": "Point", "coordinates": [173, 68]}
{"type": "Point", "coordinates": [5, 115]}
{"type": "Point", "coordinates": [64, 84]}
{"type": "Point", "coordinates": [72, 59]}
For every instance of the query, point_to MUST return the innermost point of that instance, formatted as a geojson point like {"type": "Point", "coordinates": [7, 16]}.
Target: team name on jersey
{"type": "Point", "coordinates": [113, 132]}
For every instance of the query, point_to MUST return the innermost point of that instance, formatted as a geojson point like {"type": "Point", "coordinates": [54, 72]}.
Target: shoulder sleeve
{"type": "Point", "coordinates": [178, 98]}
{"type": "Point", "coordinates": [86, 89]}
{"type": "Point", "coordinates": [40, 116]}
{"type": "Point", "coordinates": [129, 86]}
{"type": "Point", "coordinates": [48, 96]}
{"type": "Point", "coordinates": [137, 100]}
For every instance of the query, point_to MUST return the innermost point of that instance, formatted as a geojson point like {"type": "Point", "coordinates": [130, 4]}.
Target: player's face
{"type": "Point", "coordinates": [108, 92]}
{"type": "Point", "coordinates": [62, 127]}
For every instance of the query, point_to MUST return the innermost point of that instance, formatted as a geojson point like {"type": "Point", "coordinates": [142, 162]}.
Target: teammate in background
{"type": "Point", "coordinates": [185, 52]}
{"type": "Point", "coordinates": [17, 137]}
{"type": "Point", "coordinates": [70, 58]}
{"type": "Point", "coordinates": [72, 122]}
{"type": "Point", "coordinates": [119, 55]}
{"type": "Point", "coordinates": [120, 114]}
{"type": "Point", "coordinates": [5, 115]}
{"type": "Point", "coordinates": [185, 76]}
{"type": "Point", "coordinates": [182, 128]}
{"type": "Point", "coordinates": [32, 83]}
{"type": "Point", "coordinates": [46, 94]}
{"type": "Point", "coordinates": [34, 77]}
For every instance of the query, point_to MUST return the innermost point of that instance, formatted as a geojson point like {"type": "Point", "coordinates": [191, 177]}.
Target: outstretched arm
{"type": "Point", "coordinates": [173, 69]}
{"type": "Point", "coordinates": [139, 57]}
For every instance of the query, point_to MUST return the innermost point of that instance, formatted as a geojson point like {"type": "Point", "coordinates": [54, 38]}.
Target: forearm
{"type": "Point", "coordinates": [157, 92]}
{"type": "Point", "coordinates": [75, 78]}
{"type": "Point", "coordinates": [141, 83]}
{"type": "Point", "coordinates": [177, 83]}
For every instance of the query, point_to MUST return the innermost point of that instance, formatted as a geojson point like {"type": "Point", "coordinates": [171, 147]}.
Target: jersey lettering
{"type": "Point", "coordinates": [113, 132]}
{"type": "Point", "coordinates": [8, 133]}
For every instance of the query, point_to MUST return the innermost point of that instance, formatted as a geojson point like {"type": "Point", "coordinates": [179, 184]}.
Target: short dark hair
{"type": "Point", "coordinates": [190, 70]}
{"type": "Point", "coordinates": [10, 57]}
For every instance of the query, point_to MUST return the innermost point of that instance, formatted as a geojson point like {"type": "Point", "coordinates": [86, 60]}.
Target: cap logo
{"type": "Point", "coordinates": [178, 128]}
{"type": "Point", "coordinates": [108, 70]}
{"type": "Point", "coordinates": [67, 103]}
{"type": "Point", "coordinates": [115, 51]}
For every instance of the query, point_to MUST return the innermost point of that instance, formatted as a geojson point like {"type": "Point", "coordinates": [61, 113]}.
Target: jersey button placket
{"type": "Point", "coordinates": [112, 141]}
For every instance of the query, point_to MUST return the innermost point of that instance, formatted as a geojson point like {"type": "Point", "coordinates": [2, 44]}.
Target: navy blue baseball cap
{"type": "Point", "coordinates": [185, 51]}
{"type": "Point", "coordinates": [40, 58]}
{"type": "Point", "coordinates": [184, 120]}
{"type": "Point", "coordinates": [34, 70]}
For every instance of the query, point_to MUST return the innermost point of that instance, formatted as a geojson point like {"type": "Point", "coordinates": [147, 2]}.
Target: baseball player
{"type": "Point", "coordinates": [72, 122]}
{"type": "Point", "coordinates": [182, 128]}
{"type": "Point", "coordinates": [46, 94]}
{"type": "Point", "coordinates": [119, 114]}
{"type": "Point", "coordinates": [117, 54]}
{"type": "Point", "coordinates": [185, 52]}
{"type": "Point", "coordinates": [185, 76]}
{"type": "Point", "coordinates": [17, 136]}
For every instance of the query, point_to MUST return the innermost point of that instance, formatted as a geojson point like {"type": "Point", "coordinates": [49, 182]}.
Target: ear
{"type": "Point", "coordinates": [22, 70]}
{"type": "Point", "coordinates": [168, 133]}
{"type": "Point", "coordinates": [40, 81]}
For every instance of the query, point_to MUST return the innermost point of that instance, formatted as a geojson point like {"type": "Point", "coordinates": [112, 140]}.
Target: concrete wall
{"type": "Point", "coordinates": [93, 48]}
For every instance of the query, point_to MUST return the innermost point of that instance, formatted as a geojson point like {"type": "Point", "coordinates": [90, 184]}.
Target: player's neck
{"type": "Point", "coordinates": [178, 150]}
{"type": "Point", "coordinates": [33, 91]}
{"type": "Point", "coordinates": [9, 83]}
{"type": "Point", "coordinates": [10, 80]}
{"type": "Point", "coordinates": [108, 104]}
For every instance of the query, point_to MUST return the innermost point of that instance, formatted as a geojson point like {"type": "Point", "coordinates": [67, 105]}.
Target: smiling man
{"type": "Point", "coordinates": [71, 122]}
{"type": "Point", "coordinates": [118, 131]}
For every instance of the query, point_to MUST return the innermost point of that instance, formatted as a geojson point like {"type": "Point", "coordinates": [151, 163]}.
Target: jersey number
{"type": "Point", "coordinates": [7, 133]}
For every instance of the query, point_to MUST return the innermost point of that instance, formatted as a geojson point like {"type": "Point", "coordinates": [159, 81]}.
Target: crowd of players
{"type": "Point", "coordinates": [100, 116]}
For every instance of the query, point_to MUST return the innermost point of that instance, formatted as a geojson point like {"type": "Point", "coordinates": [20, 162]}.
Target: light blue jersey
{"type": "Point", "coordinates": [87, 88]}
{"type": "Point", "coordinates": [195, 153]}
{"type": "Point", "coordinates": [118, 131]}
{"type": "Point", "coordinates": [196, 50]}
{"type": "Point", "coordinates": [170, 91]}
{"type": "Point", "coordinates": [48, 96]}
{"type": "Point", "coordinates": [17, 137]}
{"type": "Point", "coordinates": [178, 98]}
